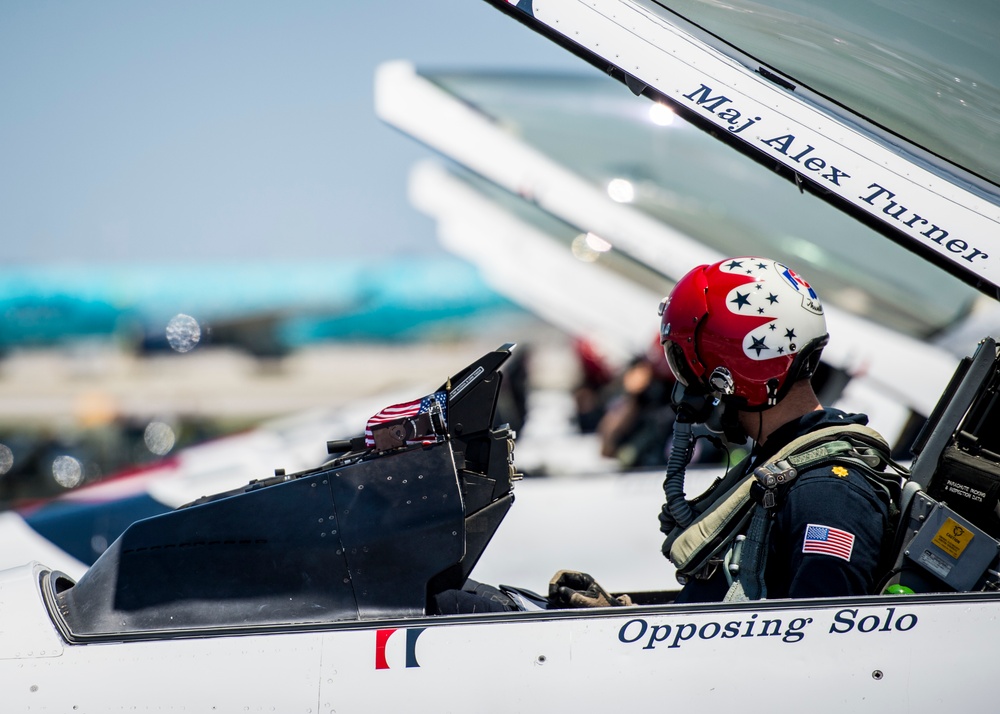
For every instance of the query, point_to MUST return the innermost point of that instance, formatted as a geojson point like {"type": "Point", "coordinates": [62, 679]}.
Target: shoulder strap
{"type": "Point", "coordinates": [690, 546]}
{"type": "Point", "coordinates": [857, 445]}
{"type": "Point", "coordinates": [860, 446]}
{"type": "Point", "coordinates": [873, 449]}
{"type": "Point", "coordinates": [715, 529]}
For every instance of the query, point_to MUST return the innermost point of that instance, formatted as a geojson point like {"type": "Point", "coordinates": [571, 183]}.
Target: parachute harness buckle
{"type": "Point", "coordinates": [772, 475]}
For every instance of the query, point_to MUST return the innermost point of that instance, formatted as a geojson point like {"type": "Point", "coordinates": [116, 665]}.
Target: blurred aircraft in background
{"type": "Point", "coordinates": [267, 309]}
{"type": "Point", "coordinates": [551, 170]}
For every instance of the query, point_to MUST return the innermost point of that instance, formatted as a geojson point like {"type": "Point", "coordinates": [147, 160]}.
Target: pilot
{"type": "Point", "coordinates": [744, 335]}
{"type": "Point", "coordinates": [809, 513]}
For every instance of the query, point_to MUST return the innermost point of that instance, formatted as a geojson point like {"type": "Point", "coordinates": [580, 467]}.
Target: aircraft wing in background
{"type": "Point", "coordinates": [553, 162]}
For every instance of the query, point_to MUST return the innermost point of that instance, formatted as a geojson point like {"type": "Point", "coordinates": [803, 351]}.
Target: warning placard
{"type": "Point", "coordinates": [952, 537]}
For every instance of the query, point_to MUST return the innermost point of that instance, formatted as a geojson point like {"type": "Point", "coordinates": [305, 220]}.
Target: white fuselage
{"type": "Point", "coordinates": [863, 654]}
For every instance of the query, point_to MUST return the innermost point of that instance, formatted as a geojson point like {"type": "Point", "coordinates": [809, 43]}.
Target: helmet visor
{"type": "Point", "coordinates": [679, 364]}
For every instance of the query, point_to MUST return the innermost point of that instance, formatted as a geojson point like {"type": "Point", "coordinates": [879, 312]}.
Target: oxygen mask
{"type": "Point", "coordinates": [709, 415]}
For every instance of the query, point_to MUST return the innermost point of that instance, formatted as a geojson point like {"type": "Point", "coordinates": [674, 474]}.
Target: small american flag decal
{"type": "Point", "coordinates": [828, 541]}
{"type": "Point", "coordinates": [406, 410]}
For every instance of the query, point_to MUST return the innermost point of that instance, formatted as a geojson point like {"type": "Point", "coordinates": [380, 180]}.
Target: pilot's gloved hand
{"type": "Point", "coordinates": [571, 588]}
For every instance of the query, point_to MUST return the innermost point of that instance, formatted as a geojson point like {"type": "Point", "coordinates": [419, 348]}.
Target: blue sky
{"type": "Point", "coordinates": [182, 130]}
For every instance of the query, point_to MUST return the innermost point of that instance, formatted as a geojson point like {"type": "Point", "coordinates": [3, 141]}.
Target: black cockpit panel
{"type": "Point", "coordinates": [371, 534]}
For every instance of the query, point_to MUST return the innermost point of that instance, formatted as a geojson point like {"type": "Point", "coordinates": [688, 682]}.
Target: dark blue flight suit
{"type": "Point", "coordinates": [841, 555]}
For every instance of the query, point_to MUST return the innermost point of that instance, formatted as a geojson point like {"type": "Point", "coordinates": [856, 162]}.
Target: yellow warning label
{"type": "Point", "coordinates": [952, 537]}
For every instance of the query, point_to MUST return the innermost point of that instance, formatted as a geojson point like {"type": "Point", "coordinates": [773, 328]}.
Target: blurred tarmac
{"type": "Point", "coordinates": [92, 385]}
{"type": "Point", "coordinates": [71, 417]}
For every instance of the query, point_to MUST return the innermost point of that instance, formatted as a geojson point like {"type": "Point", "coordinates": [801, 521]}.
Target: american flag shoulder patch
{"type": "Point", "coordinates": [828, 541]}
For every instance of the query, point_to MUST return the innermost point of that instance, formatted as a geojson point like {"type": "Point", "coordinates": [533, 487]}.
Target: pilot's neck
{"type": "Point", "coordinates": [799, 401]}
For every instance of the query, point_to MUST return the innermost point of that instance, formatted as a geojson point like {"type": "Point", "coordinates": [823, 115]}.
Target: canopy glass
{"type": "Point", "coordinates": [643, 154]}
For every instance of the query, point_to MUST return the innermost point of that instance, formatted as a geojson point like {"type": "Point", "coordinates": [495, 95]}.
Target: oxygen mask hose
{"type": "Point", "coordinates": [693, 407]}
{"type": "Point", "coordinates": [677, 511]}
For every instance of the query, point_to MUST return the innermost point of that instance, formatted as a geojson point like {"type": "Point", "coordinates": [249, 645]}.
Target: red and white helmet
{"type": "Point", "coordinates": [744, 329]}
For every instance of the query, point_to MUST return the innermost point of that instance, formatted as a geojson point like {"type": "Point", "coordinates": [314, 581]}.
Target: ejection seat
{"type": "Point", "coordinates": [950, 509]}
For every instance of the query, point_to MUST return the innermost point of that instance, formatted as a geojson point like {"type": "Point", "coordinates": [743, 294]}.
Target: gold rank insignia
{"type": "Point", "coordinates": [840, 471]}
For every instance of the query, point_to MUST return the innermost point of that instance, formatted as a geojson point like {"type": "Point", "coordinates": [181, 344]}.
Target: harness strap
{"type": "Point", "coordinates": [705, 529]}
{"type": "Point", "coordinates": [714, 530]}
{"type": "Point", "coordinates": [748, 583]}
